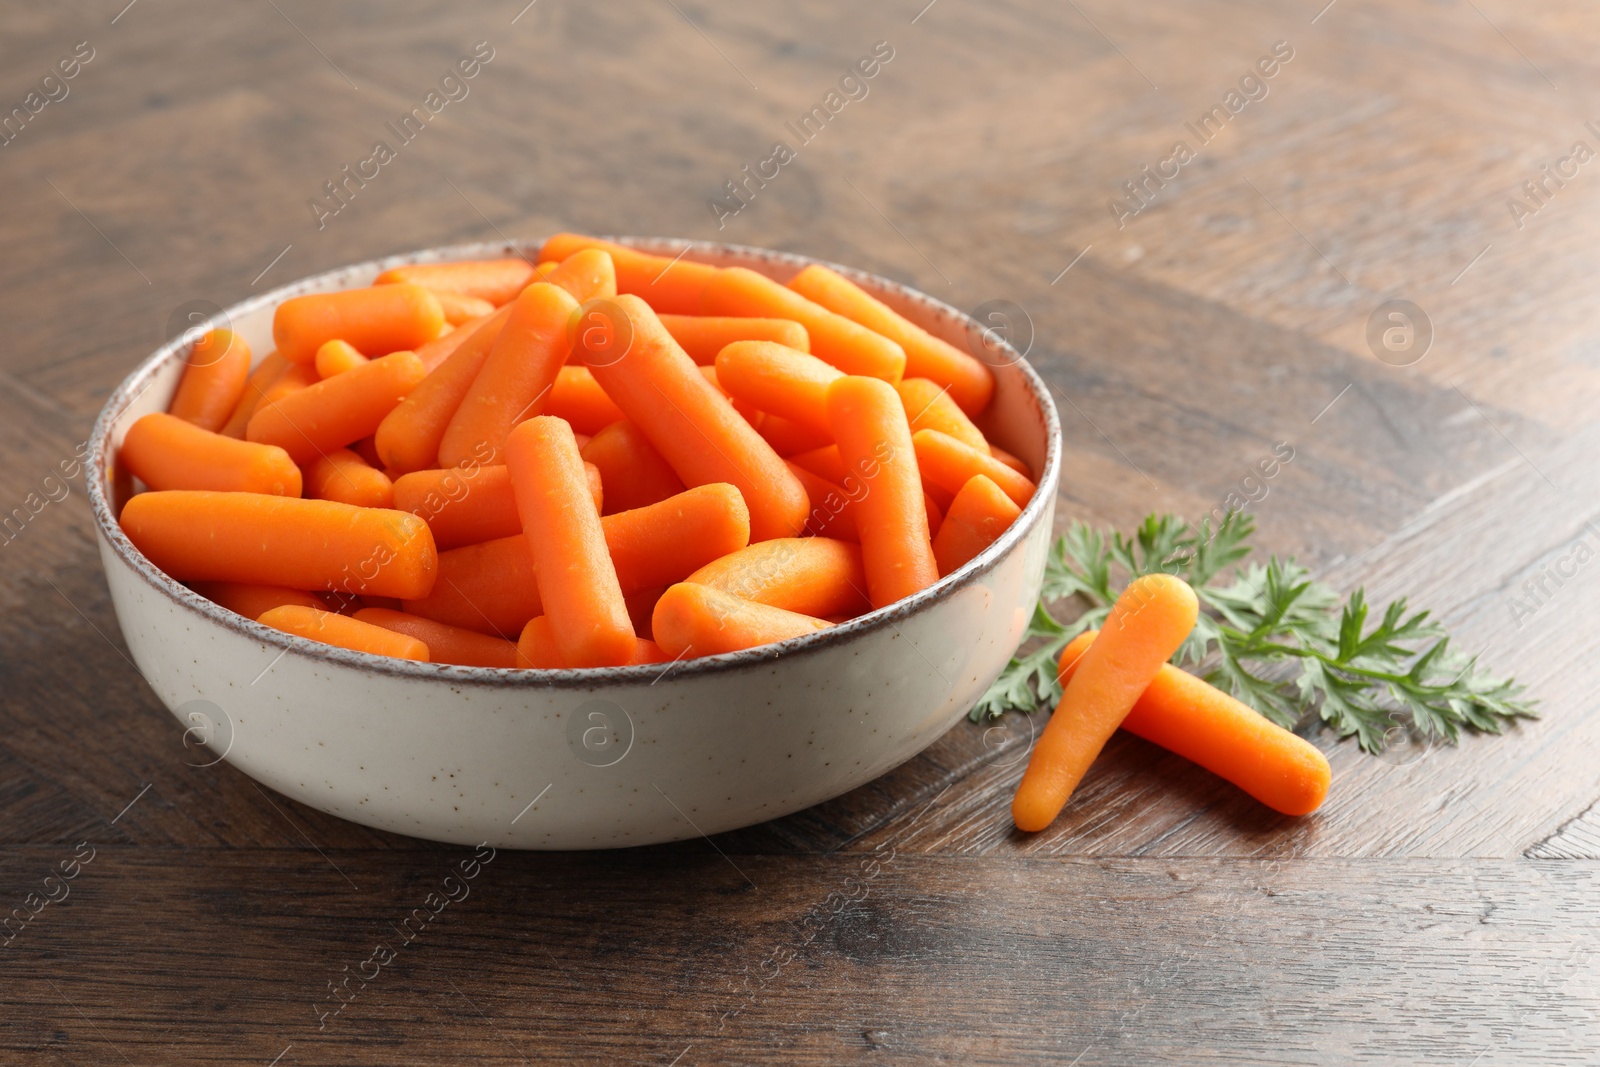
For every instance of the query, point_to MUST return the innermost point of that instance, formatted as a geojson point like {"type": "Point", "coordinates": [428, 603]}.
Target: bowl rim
{"type": "Point", "coordinates": [98, 467]}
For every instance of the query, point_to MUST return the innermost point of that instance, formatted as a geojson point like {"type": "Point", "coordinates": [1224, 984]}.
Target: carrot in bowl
{"type": "Point", "coordinates": [471, 504]}
{"type": "Point", "coordinates": [337, 411]}
{"type": "Point", "coordinates": [1204, 725]}
{"type": "Point", "coordinates": [703, 336]}
{"type": "Point", "coordinates": [578, 398]}
{"type": "Point", "coordinates": [336, 357]}
{"type": "Point", "coordinates": [780, 381]}
{"type": "Point", "coordinates": [665, 542]}
{"type": "Point", "coordinates": [165, 452]}
{"type": "Point", "coordinates": [586, 275]}
{"type": "Point", "coordinates": [384, 318]}
{"type": "Point", "coordinates": [268, 371]}
{"type": "Point", "coordinates": [342, 631]}
{"type": "Point", "coordinates": [488, 587]}
{"type": "Point", "coordinates": [460, 309]}
{"type": "Point", "coordinates": [195, 535]}
{"type": "Point", "coordinates": [496, 280]}
{"type": "Point", "coordinates": [445, 643]}
{"type": "Point", "coordinates": [696, 620]}
{"type": "Point", "coordinates": [929, 407]}
{"type": "Point", "coordinates": [978, 515]}
{"type": "Point", "coordinates": [1144, 628]}
{"type": "Point", "coordinates": [250, 600]}
{"type": "Point", "coordinates": [810, 575]}
{"type": "Point", "coordinates": [344, 476]}
{"type": "Point", "coordinates": [845, 344]}
{"type": "Point", "coordinates": [668, 285]}
{"type": "Point", "coordinates": [537, 648]}
{"type": "Point", "coordinates": [213, 380]}
{"type": "Point", "coordinates": [830, 507]}
{"type": "Point", "coordinates": [633, 472]}
{"type": "Point", "coordinates": [408, 438]}
{"type": "Point", "coordinates": [948, 464]}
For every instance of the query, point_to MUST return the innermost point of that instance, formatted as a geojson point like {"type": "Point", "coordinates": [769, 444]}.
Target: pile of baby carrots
{"type": "Point", "coordinates": [601, 458]}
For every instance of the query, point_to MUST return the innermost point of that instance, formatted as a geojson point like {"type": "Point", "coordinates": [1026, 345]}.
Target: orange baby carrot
{"type": "Point", "coordinates": [747, 411]}
{"type": "Point", "coordinates": [1009, 460]}
{"type": "Point", "coordinates": [891, 516]}
{"type": "Point", "coordinates": [496, 280]}
{"type": "Point", "coordinates": [408, 438]}
{"type": "Point", "coordinates": [949, 465]}
{"type": "Point", "coordinates": [578, 398]}
{"type": "Point", "coordinates": [436, 351]}
{"type": "Point", "coordinates": [970, 382]}
{"type": "Point", "coordinates": [445, 643]}
{"type": "Point", "coordinates": [276, 540]}
{"type": "Point", "coordinates": [1145, 627]}
{"type": "Point", "coordinates": [488, 587]}
{"type": "Point", "coordinates": [334, 629]}
{"type": "Point", "coordinates": [780, 381]}
{"type": "Point", "coordinates": [811, 575]}
{"type": "Point", "coordinates": [268, 371]}
{"type": "Point", "coordinates": [338, 411]}
{"type": "Point", "coordinates": [835, 339]}
{"type": "Point", "coordinates": [823, 462]}
{"type": "Point", "coordinates": [633, 472]}
{"type": "Point", "coordinates": [213, 380]}
{"type": "Point", "coordinates": [641, 602]}
{"type": "Point", "coordinates": [344, 476]}
{"type": "Point", "coordinates": [251, 600]}
{"type": "Point", "coordinates": [830, 514]}
{"type": "Point", "coordinates": [537, 648]}
{"type": "Point", "coordinates": [664, 542]}
{"type": "Point", "coordinates": [165, 452]}
{"type": "Point", "coordinates": [296, 377]}
{"type": "Point", "coordinates": [1204, 725]}
{"type": "Point", "coordinates": [577, 581]}
{"type": "Point", "coordinates": [789, 438]}
{"type": "Point", "coordinates": [929, 407]}
{"type": "Point", "coordinates": [703, 336]}
{"type": "Point", "coordinates": [469, 504]}
{"type": "Point", "coordinates": [668, 285]}
{"type": "Point", "coordinates": [586, 275]}
{"type": "Point", "coordinates": [935, 517]}
{"type": "Point", "coordinates": [692, 424]}
{"type": "Point", "coordinates": [459, 309]}
{"type": "Point", "coordinates": [385, 318]}
{"type": "Point", "coordinates": [696, 620]}
{"type": "Point", "coordinates": [335, 357]}
{"type": "Point", "coordinates": [515, 380]}
{"type": "Point", "coordinates": [978, 515]}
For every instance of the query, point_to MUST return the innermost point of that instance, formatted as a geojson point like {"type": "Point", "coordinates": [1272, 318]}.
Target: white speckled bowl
{"type": "Point", "coordinates": [581, 758]}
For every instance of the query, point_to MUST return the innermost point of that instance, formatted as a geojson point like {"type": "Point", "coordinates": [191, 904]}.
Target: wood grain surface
{"type": "Point", "coordinates": [1443, 908]}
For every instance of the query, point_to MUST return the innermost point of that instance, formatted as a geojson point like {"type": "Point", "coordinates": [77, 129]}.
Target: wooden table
{"type": "Point", "coordinates": [1442, 909]}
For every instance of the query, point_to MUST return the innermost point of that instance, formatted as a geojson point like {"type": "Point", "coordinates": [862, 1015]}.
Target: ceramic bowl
{"type": "Point", "coordinates": [580, 759]}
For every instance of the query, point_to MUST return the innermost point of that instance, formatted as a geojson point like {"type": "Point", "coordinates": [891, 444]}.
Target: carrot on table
{"type": "Point", "coordinates": [344, 476]}
{"type": "Point", "coordinates": [631, 470]}
{"type": "Point", "coordinates": [929, 407]}
{"type": "Point", "coordinates": [1227, 737]}
{"type": "Point", "coordinates": [446, 643]}
{"type": "Point", "coordinates": [811, 575]}
{"type": "Point", "coordinates": [196, 535]}
{"type": "Point", "coordinates": [949, 465]}
{"type": "Point", "coordinates": [268, 371]}
{"type": "Point", "coordinates": [537, 648]}
{"type": "Point", "coordinates": [459, 308]}
{"type": "Point", "coordinates": [780, 381]}
{"type": "Point", "coordinates": [668, 285]}
{"type": "Point", "coordinates": [342, 631]}
{"type": "Point", "coordinates": [578, 398]}
{"type": "Point", "coordinates": [338, 411]}
{"type": "Point", "coordinates": [336, 357]}
{"type": "Point", "coordinates": [408, 438]}
{"type": "Point", "coordinates": [250, 600]}
{"type": "Point", "coordinates": [496, 280]}
{"type": "Point", "coordinates": [692, 424]}
{"type": "Point", "coordinates": [213, 381]}
{"type": "Point", "coordinates": [384, 318]}
{"type": "Point", "coordinates": [1144, 628]}
{"type": "Point", "coordinates": [488, 587]}
{"type": "Point", "coordinates": [891, 516]}
{"type": "Point", "coordinates": [586, 275]}
{"type": "Point", "coordinates": [516, 377]}
{"type": "Point", "coordinates": [846, 344]}
{"type": "Point", "coordinates": [703, 336]}
{"type": "Point", "coordinates": [976, 518]}
{"type": "Point", "coordinates": [664, 542]}
{"type": "Point", "coordinates": [165, 452]}
{"type": "Point", "coordinates": [830, 508]}
{"type": "Point", "coordinates": [577, 580]}
{"type": "Point", "coordinates": [971, 383]}
{"type": "Point", "coordinates": [696, 620]}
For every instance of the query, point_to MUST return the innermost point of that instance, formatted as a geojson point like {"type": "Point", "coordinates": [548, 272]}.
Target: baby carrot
{"type": "Point", "coordinates": [746, 410]}
{"type": "Point", "coordinates": [165, 452]}
{"type": "Point", "coordinates": [929, 407]}
{"type": "Point", "coordinates": [275, 540]}
{"type": "Point", "coordinates": [344, 476]}
{"type": "Point", "coordinates": [935, 517]}
{"type": "Point", "coordinates": [537, 648]}
{"type": "Point", "coordinates": [578, 398]}
{"type": "Point", "coordinates": [891, 516]}
{"type": "Point", "coordinates": [1204, 725]}
{"type": "Point", "coordinates": [823, 462]}
{"type": "Point", "coordinates": [1145, 627]}
{"type": "Point", "coordinates": [780, 381]}
{"type": "Point", "coordinates": [459, 308]}
{"type": "Point", "coordinates": [668, 285]}
{"type": "Point", "coordinates": [335, 357]}
{"type": "Point", "coordinates": [408, 438]}
{"type": "Point", "coordinates": [515, 380]}
{"type": "Point", "coordinates": [703, 336]}
{"type": "Point", "coordinates": [335, 412]}
{"type": "Point", "coordinates": [385, 318]}
{"type": "Point", "coordinates": [835, 339]}
{"type": "Point", "coordinates": [436, 351]}
{"type": "Point", "coordinates": [445, 643]}
{"type": "Point", "coordinates": [949, 465]}
{"type": "Point", "coordinates": [696, 620]}
{"type": "Point", "coordinates": [830, 514]}
{"type": "Point", "coordinates": [977, 517]}
{"type": "Point", "coordinates": [488, 587]}
{"type": "Point", "coordinates": [789, 438]}
{"type": "Point", "coordinates": [641, 602]}
{"type": "Point", "coordinates": [296, 376]}
{"type": "Point", "coordinates": [692, 425]}
{"type": "Point", "coordinates": [811, 575]}
{"type": "Point", "coordinates": [269, 370]}
{"type": "Point", "coordinates": [339, 630]}
{"type": "Point", "coordinates": [1009, 460]}
{"type": "Point", "coordinates": [577, 581]}
{"type": "Point", "coordinates": [470, 504]}
{"type": "Point", "coordinates": [633, 472]}
{"type": "Point", "coordinates": [213, 380]}
{"type": "Point", "coordinates": [664, 542]}
{"type": "Point", "coordinates": [586, 275]}
{"type": "Point", "coordinates": [250, 600]}
{"type": "Point", "coordinates": [970, 382]}
{"type": "Point", "coordinates": [496, 280]}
